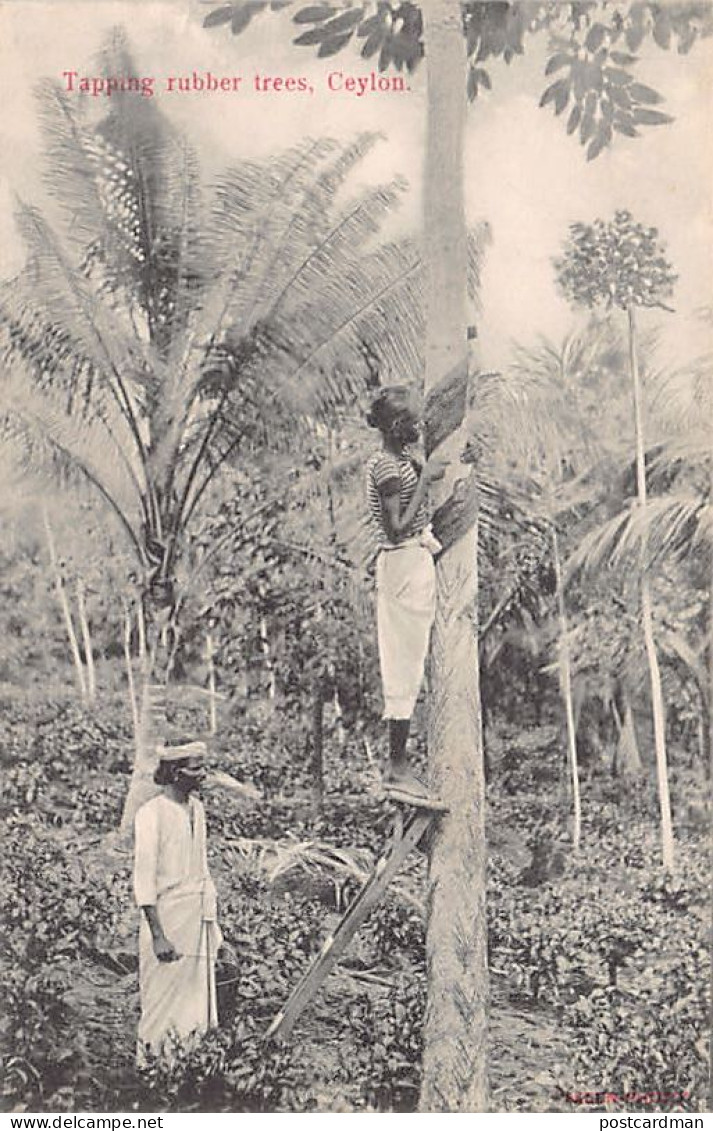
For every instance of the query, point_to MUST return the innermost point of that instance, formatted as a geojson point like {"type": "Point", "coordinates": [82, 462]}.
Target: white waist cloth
{"type": "Point", "coordinates": [405, 607]}
{"type": "Point", "coordinates": [178, 998]}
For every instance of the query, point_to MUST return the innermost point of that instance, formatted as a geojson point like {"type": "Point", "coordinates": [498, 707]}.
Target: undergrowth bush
{"type": "Point", "coordinates": [604, 944]}
{"type": "Point", "coordinates": [388, 1045]}
{"type": "Point", "coordinates": [230, 1069]}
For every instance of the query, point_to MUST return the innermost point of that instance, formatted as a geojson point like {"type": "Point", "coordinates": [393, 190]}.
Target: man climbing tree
{"type": "Point", "coordinates": [405, 575]}
{"type": "Point", "coordinates": [592, 52]}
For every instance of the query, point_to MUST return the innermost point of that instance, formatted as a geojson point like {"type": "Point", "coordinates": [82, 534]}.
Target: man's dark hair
{"type": "Point", "coordinates": [388, 406]}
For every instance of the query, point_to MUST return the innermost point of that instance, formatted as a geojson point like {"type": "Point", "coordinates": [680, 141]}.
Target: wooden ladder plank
{"type": "Point", "coordinates": [335, 944]}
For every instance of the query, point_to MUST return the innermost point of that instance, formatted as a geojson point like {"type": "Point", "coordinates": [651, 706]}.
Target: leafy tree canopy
{"type": "Point", "coordinates": [593, 45]}
{"type": "Point", "coordinates": [615, 263]}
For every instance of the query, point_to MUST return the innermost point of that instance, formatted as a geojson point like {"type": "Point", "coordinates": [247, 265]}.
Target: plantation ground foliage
{"type": "Point", "coordinates": [598, 963]}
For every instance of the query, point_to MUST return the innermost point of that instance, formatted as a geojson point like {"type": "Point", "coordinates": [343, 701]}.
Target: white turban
{"type": "Point", "coordinates": [178, 753]}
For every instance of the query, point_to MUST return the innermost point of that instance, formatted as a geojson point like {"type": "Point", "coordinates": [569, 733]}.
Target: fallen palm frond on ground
{"type": "Point", "coordinates": [316, 859]}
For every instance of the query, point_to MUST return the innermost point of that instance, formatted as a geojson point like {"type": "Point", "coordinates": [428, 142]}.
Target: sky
{"type": "Point", "coordinates": [523, 174]}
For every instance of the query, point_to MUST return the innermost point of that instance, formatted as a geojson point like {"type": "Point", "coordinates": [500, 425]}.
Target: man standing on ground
{"type": "Point", "coordinates": [179, 934]}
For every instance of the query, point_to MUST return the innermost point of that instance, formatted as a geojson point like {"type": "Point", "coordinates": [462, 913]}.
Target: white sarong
{"type": "Point", "coordinates": [178, 999]}
{"type": "Point", "coordinates": [405, 608]}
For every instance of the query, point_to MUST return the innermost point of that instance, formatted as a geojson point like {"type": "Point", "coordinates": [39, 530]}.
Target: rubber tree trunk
{"type": "Point", "coordinates": [212, 705]}
{"type": "Point", "coordinates": [647, 623]}
{"type": "Point", "coordinates": [61, 588]}
{"type": "Point", "coordinates": [317, 743]}
{"type": "Point", "coordinates": [86, 641]}
{"type": "Point", "coordinates": [130, 673]}
{"type": "Point", "coordinates": [565, 668]}
{"type": "Point", "coordinates": [141, 629]}
{"type": "Point", "coordinates": [269, 667]}
{"type": "Point", "coordinates": [455, 1032]}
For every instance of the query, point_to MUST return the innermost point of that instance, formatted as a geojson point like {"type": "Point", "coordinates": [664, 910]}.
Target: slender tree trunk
{"type": "Point", "coordinates": [61, 589]}
{"type": "Point", "coordinates": [566, 687]}
{"type": "Point", "coordinates": [141, 629]}
{"type": "Point", "coordinates": [213, 714]}
{"type": "Point", "coordinates": [130, 673]}
{"type": "Point", "coordinates": [339, 718]}
{"type": "Point", "coordinates": [317, 744]}
{"type": "Point", "coordinates": [141, 786]}
{"type": "Point", "coordinates": [173, 641]}
{"type": "Point", "coordinates": [700, 754]}
{"type": "Point", "coordinates": [628, 756]}
{"type": "Point", "coordinates": [86, 641]}
{"type": "Point", "coordinates": [267, 658]}
{"type": "Point", "coordinates": [455, 1033]}
{"type": "Point", "coordinates": [667, 843]}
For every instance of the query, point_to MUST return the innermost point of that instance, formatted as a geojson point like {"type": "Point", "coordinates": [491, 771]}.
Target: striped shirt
{"type": "Point", "coordinates": [383, 468]}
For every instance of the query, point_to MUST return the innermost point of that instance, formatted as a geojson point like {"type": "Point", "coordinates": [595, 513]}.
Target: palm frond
{"type": "Point", "coordinates": [48, 444]}
{"type": "Point", "coordinates": [672, 526]}
{"type": "Point", "coordinates": [120, 182]}
{"type": "Point", "coordinates": [674, 645]}
{"type": "Point", "coordinates": [71, 175]}
{"type": "Point", "coordinates": [253, 207]}
{"type": "Point", "coordinates": [679, 525]}
{"type": "Point", "coordinates": [277, 857]}
{"type": "Point", "coordinates": [542, 393]}
{"type": "Point", "coordinates": [328, 250]}
{"type": "Point", "coordinates": [52, 281]}
{"type": "Point", "coordinates": [314, 235]}
{"type": "Point", "coordinates": [598, 549]}
{"type": "Point", "coordinates": [377, 292]}
{"type": "Point", "coordinates": [375, 296]}
{"type": "Point", "coordinates": [683, 398]}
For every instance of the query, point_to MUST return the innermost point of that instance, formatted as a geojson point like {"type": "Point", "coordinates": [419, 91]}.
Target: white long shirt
{"type": "Point", "coordinates": [170, 849]}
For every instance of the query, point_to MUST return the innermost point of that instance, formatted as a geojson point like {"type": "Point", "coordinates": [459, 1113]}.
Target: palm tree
{"type": "Point", "coordinates": [554, 436]}
{"type": "Point", "coordinates": [619, 264]}
{"type": "Point", "coordinates": [682, 523]}
{"type": "Point", "coordinates": [158, 335]}
{"type": "Point", "coordinates": [676, 525]}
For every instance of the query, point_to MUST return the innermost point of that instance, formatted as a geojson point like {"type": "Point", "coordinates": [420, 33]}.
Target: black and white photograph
{"type": "Point", "coordinates": [356, 558]}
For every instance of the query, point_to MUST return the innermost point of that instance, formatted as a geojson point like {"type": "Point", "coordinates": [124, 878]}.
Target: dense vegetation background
{"type": "Point", "coordinates": [598, 958]}
{"type": "Point", "coordinates": [183, 507]}
{"type": "Point", "coordinates": [598, 963]}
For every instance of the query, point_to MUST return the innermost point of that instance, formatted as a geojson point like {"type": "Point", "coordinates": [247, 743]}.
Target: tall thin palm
{"type": "Point", "coordinates": [552, 435]}
{"type": "Point", "coordinates": [675, 527]}
{"type": "Point", "coordinates": [620, 264]}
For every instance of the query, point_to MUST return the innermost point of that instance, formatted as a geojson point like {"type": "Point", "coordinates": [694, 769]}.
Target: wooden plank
{"type": "Point", "coordinates": [335, 945]}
